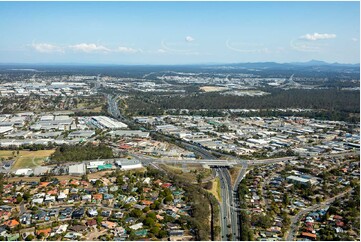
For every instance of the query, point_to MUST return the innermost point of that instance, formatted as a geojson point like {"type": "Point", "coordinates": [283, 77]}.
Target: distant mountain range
{"type": "Point", "coordinates": [290, 64]}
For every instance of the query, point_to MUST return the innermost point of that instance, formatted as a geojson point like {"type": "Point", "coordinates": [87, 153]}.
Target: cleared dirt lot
{"type": "Point", "coordinates": [213, 88]}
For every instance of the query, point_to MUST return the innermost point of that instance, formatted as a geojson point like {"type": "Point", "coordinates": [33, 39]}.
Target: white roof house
{"type": "Point", "coordinates": [62, 195]}
{"type": "Point", "coordinates": [86, 197]}
{"type": "Point", "coordinates": [37, 201]}
{"type": "Point", "coordinates": [136, 226]}
{"type": "Point", "coordinates": [62, 228]}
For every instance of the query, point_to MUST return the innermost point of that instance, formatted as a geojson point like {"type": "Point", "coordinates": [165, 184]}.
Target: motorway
{"type": "Point", "coordinates": [229, 205]}
{"type": "Point", "coordinates": [225, 221]}
{"type": "Point", "coordinates": [113, 107]}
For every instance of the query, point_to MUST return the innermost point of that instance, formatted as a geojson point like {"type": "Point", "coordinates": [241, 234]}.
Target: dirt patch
{"type": "Point", "coordinates": [215, 190]}
{"type": "Point", "coordinates": [234, 171]}
{"type": "Point", "coordinates": [213, 89]}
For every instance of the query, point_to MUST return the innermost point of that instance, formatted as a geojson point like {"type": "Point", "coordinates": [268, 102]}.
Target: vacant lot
{"type": "Point", "coordinates": [29, 159]}
{"type": "Point", "coordinates": [234, 172]}
{"type": "Point", "coordinates": [216, 191]}
{"type": "Point", "coordinates": [187, 173]}
{"type": "Point", "coordinates": [213, 88]}
{"type": "Point", "coordinates": [6, 154]}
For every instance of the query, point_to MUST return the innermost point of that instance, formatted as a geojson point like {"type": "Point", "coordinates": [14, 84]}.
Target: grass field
{"type": "Point", "coordinates": [25, 158]}
{"type": "Point", "coordinates": [189, 176]}
{"type": "Point", "coordinates": [216, 191]}
{"type": "Point", "coordinates": [234, 171]}
{"type": "Point", "coordinates": [6, 154]}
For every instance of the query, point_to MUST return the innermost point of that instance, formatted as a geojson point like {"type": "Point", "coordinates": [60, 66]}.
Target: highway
{"type": "Point", "coordinates": [226, 219]}
{"type": "Point", "coordinates": [113, 107]}
{"type": "Point", "coordinates": [229, 204]}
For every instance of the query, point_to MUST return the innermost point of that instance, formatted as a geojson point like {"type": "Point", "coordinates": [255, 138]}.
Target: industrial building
{"type": "Point", "coordinates": [126, 164]}
{"type": "Point", "coordinates": [104, 122]}
{"type": "Point", "coordinates": [77, 170]}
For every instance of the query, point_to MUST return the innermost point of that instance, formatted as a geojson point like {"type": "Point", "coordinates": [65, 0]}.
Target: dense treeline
{"type": "Point", "coordinates": [202, 202]}
{"type": "Point", "coordinates": [327, 99]}
{"type": "Point", "coordinates": [81, 153]}
{"type": "Point", "coordinates": [246, 233]}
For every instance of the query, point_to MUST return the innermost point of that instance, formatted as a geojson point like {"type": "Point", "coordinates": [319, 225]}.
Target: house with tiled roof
{"type": "Point", "coordinates": [97, 197]}
{"type": "Point", "coordinates": [11, 223]}
{"type": "Point", "coordinates": [75, 183]}
{"type": "Point", "coordinates": [52, 192]}
{"type": "Point", "coordinates": [109, 225]}
{"type": "Point", "coordinates": [46, 232]}
{"type": "Point", "coordinates": [146, 202]}
{"type": "Point", "coordinates": [44, 184]}
{"type": "Point", "coordinates": [91, 222]}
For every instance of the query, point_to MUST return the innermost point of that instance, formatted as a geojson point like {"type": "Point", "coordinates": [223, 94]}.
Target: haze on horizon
{"type": "Point", "coordinates": [179, 32]}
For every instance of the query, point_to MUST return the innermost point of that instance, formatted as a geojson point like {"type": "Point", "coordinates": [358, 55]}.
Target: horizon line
{"type": "Point", "coordinates": [179, 64]}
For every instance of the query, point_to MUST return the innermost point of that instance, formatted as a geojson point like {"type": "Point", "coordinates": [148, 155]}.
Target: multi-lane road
{"type": "Point", "coordinates": [229, 206]}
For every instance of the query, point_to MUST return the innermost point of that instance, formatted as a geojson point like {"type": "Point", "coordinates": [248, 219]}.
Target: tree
{"type": "Point", "coordinates": [155, 230]}
{"type": "Point", "coordinates": [30, 237]}
{"type": "Point", "coordinates": [152, 215]}
{"type": "Point", "coordinates": [163, 233]}
{"type": "Point", "coordinates": [19, 198]}
{"type": "Point", "coordinates": [168, 199]}
{"type": "Point", "coordinates": [99, 220]}
{"type": "Point", "coordinates": [136, 213]}
{"type": "Point", "coordinates": [149, 222]}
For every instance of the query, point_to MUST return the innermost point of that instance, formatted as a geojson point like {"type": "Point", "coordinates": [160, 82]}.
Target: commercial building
{"type": "Point", "coordinates": [130, 133]}
{"type": "Point", "coordinates": [23, 172]}
{"type": "Point", "coordinates": [104, 122]}
{"type": "Point", "coordinates": [126, 164]}
{"type": "Point", "coordinates": [77, 170]}
{"type": "Point", "coordinates": [302, 180]}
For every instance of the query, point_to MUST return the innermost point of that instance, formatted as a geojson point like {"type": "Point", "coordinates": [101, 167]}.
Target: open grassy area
{"type": "Point", "coordinates": [6, 154]}
{"type": "Point", "coordinates": [216, 191]}
{"type": "Point", "coordinates": [189, 176]}
{"type": "Point", "coordinates": [30, 159]}
{"type": "Point", "coordinates": [234, 171]}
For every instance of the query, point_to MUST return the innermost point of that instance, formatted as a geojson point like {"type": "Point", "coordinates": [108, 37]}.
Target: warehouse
{"type": "Point", "coordinates": [107, 123]}
{"type": "Point", "coordinates": [77, 170]}
{"type": "Point", "coordinates": [126, 164]}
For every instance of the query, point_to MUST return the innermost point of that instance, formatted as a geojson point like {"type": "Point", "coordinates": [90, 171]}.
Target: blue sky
{"type": "Point", "coordinates": [178, 32]}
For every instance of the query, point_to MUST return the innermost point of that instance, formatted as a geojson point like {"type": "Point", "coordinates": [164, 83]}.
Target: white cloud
{"type": "Point", "coordinates": [161, 51]}
{"type": "Point", "coordinates": [46, 48]}
{"type": "Point", "coordinates": [317, 36]}
{"type": "Point", "coordinates": [174, 48]}
{"type": "Point", "coordinates": [305, 46]}
{"type": "Point", "coordinates": [354, 39]}
{"type": "Point", "coordinates": [88, 48]}
{"type": "Point", "coordinates": [189, 39]}
{"type": "Point", "coordinates": [124, 49]}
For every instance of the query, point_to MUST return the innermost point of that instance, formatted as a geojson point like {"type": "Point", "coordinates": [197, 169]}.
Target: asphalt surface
{"type": "Point", "coordinates": [229, 205]}
{"type": "Point", "coordinates": [225, 211]}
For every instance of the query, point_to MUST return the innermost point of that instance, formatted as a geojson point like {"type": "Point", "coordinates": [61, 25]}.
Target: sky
{"type": "Point", "coordinates": [179, 32]}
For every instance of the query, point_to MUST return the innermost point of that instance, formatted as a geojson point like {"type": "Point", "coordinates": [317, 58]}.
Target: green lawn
{"type": "Point", "coordinates": [29, 159]}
